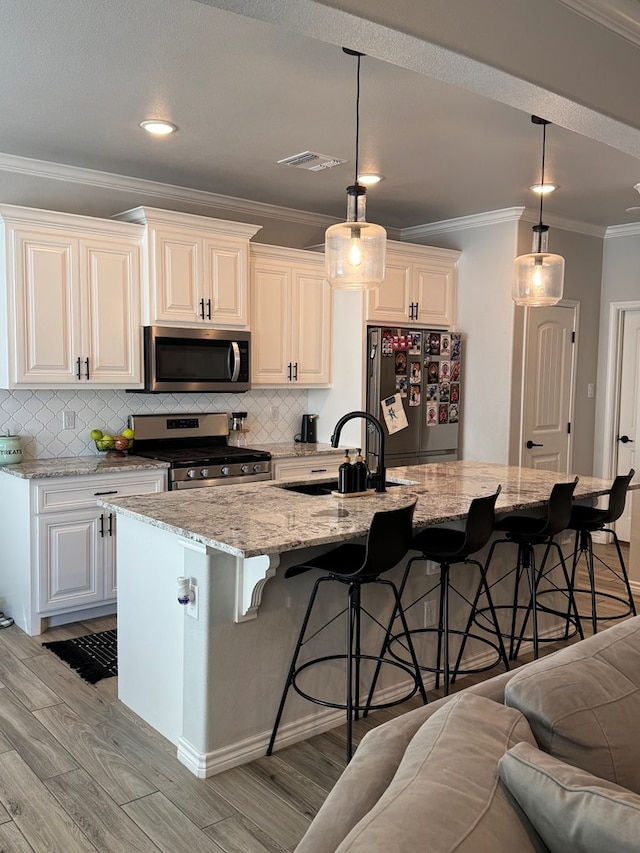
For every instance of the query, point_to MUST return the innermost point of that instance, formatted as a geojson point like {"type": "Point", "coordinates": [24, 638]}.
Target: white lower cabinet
{"type": "Point", "coordinates": [68, 542]}
{"type": "Point", "coordinates": [305, 468]}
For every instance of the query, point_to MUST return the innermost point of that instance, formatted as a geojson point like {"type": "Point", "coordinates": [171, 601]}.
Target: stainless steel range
{"type": "Point", "coordinates": [197, 450]}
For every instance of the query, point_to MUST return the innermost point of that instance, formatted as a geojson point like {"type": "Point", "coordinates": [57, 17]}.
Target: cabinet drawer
{"type": "Point", "coordinates": [77, 492]}
{"type": "Point", "coordinates": [324, 465]}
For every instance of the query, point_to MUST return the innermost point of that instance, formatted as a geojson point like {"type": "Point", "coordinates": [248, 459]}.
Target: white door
{"type": "Point", "coordinates": [548, 388]}
{"type": "Point", "coordinates": [629, 409]}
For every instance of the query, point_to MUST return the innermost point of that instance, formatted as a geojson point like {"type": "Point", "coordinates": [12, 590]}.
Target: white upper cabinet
{"type": "Point", "coordinates": [70, 300]}
{"type": "Point", "coordinates": [196, 269]}
{"type": "Point", "coordinates": [290, 318]}
{"type": "Point", "coordinates": [419, 288]}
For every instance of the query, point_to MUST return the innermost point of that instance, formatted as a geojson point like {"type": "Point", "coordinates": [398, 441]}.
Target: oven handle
{"type": "Point", "coordinates": [234, 361]}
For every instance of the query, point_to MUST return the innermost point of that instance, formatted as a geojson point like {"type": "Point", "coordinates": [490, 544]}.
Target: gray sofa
{"type": "Point", "coordinates": [546, 757]}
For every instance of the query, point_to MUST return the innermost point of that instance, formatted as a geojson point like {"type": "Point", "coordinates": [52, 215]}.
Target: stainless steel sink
{"type": "Point", "coordinates": [322, 488]}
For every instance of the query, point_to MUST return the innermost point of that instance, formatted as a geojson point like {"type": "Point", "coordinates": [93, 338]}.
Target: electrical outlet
{"type": "Point", "coordinates": [68, 419]}
{"type": "Point", "coordinates": [591, 390]}
{"type": "Point", "coordinates": [430, 613]}
{"type": "Point", "coordinates": [275, 414]}
{"type": "Point", "coordinates": [192, 606]}
{"type": "Point", "coordinates": [432, 568]}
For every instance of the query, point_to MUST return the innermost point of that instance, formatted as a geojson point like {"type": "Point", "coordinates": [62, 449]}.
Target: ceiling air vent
{"type": "Point", "coordinates": [311, 161]}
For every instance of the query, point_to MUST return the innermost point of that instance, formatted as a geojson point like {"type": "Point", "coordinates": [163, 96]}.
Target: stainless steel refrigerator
{"type": "Point", "coordinates": [424, 368]}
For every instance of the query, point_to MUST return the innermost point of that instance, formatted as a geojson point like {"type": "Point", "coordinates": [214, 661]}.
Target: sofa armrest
{"type": "Point", "coordinates": [372, 768]}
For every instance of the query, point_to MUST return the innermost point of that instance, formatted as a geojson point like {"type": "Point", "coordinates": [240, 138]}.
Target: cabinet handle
{"type": "Point", "coordinates": [78, 367]}
{"type": "Point", "coordinates": [208, 309]}
{"type": "Point", "coordinates": [102, 526]}
{"type": "Point", "coordinates": [202, 309]}
{"type": "Point", "coordinates": [290, 368]}
{"type": "Point", "coordinates": [112, 492]}
{"type": "Point", "coordinates": [417, 305]}
{"type": "Point", "coordinates": [318, 470]}
{"type": "Point", "coordinates": [295, 372]}
{"type": "Point", "coordinates": [110, 524]}
{"type": "Point", "coordinates": [86, 367]}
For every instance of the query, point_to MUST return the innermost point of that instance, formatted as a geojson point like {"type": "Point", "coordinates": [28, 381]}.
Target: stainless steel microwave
{"type": "Point", "coordinates": [196, 360]}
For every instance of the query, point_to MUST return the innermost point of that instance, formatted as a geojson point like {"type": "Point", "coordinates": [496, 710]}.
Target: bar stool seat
{"type": "Point", "coordinates": [526, 532]}
{"type": "Point", "coordinates": [448, 547]}
{"type": "Point", "coordinates": [355, 565]}
{"type": "Point", "coordinates": [586, 520]}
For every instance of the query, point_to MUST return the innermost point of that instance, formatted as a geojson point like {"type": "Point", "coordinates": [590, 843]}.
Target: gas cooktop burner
{"type": "Point", "coordinates": [195, 446]}
{"type": "Point", "coordinates": [205, 455]}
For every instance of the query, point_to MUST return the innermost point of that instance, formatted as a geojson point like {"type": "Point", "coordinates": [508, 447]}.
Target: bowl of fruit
{"type": "Point", "coordinates": [113, 445]}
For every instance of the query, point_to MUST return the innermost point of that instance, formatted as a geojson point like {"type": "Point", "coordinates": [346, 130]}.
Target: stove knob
{"type": "Point", "coordinates": [191, 473]}
{"type": "Point", "coordinates": [245, 469]}
{"type": "Point", "coordinates": [256, 468]}
{"type": "Point", "coordinates": [225, 471]}
{"type": "Point", "coordinates": [204, 472]}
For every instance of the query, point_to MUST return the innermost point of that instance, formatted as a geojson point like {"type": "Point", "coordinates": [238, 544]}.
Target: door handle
{"type": "Point", "coordinates": [102, 526]}
{"type": "Point", "coordinates": [78, 367]}
{"type": "Point", "coordinates": [86, 367]}
{"type": "Point", "coordinates": [110, 524]}
{"type": "Point", "coordinates": [208, 309]}
{"type": "Point", "coordinates": [295, 372]}
{"type": "Point", "coordinates": [625, 439]}
{"type": "Point", "coordinates": [531, 444]}
{"type": "Point", "coordinates": [202, 309]}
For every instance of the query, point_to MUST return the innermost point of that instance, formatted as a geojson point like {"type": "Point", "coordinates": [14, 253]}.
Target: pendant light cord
{"type": "Point", "coordinates": [544, 145]}
{"type": "Point", "coordinates": [357, 117]}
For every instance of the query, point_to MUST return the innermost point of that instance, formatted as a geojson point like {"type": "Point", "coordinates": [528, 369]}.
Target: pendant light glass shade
{"type": "Point", "coordinates": [355, 250]}
{"type": "Point", "coordinates": [538, 278]}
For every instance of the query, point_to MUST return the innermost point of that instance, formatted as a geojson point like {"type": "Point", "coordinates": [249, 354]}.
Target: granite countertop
{"type": "Point", "coordinates": [268, 519]}
{"type": "Point", "coordinates": [282, 449]}
{"type": "Point", "coordinates": [73, 466]}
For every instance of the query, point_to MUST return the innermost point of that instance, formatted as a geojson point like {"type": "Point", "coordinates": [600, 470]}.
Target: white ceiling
{"type": "Point", "coordinates": [77, 76]}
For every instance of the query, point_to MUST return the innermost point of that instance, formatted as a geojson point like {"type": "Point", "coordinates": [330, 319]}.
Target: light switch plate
{"type": "Point", "coordinates": [68, 419]}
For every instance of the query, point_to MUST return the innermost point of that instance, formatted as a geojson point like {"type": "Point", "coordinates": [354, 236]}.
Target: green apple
{"type": "Point", "coordinates": [96, 434]}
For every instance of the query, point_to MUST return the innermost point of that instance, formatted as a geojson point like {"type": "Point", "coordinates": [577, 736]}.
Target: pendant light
{"type": "Point", "coordinates": [538, 277]}
{"type": "Point", "coordinates": [355, 250]}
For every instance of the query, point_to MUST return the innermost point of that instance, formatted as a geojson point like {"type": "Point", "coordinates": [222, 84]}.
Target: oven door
{"type": "Point", "coordinates": [195, 360]}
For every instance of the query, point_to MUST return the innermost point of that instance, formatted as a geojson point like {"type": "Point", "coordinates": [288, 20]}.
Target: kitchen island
{"type": "Point", "coordinates": [208, 675]}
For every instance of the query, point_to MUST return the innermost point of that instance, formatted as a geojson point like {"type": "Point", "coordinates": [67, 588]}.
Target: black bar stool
{"type": "Point", "coordinates": [354, 565]}
{"type": "Point", "coordinates": [526, 532]}
{"type": "Point", "coordinates": [585, 520]}
{"type": "Point", "coordinates": [447, 547]}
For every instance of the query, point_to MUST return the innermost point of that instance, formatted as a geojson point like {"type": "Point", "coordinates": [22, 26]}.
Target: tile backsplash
{"type": "Point", "coordinates": [272, 416]}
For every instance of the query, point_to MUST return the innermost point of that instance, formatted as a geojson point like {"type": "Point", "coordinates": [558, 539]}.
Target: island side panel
{"type": "Point", "coordinates": [150, 625]}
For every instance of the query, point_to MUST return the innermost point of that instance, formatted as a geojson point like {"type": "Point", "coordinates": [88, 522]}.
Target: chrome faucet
{"type": "Point", "coordinates": [380, 477]}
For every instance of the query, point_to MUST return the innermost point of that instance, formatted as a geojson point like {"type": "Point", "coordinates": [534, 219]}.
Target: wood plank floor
{"type": "Point", "coordinates": [79, 772]}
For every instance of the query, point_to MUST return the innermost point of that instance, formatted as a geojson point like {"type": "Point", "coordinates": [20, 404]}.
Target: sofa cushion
{"type": "Point", "coordinates": [446, 794]}
{"type": "Point", "coordinates": [570, 808]}
{"type": "Point", "coordinates": [583, 703]}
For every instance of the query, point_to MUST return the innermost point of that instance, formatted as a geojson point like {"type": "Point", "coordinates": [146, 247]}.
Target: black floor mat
{"type": "Point", "coordinates": [93, 656]}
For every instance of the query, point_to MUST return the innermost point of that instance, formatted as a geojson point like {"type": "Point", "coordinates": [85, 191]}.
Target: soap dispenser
{"type": "Point", "coordinates": [360, 473]}
{"type": "Point", "coordinates": [345, 475]}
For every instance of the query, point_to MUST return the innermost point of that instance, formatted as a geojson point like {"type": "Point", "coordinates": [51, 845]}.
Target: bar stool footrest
{"type": "Point", "coordinates": [342, 706]}
{"type": "Point", "coordinates": [453, 671]}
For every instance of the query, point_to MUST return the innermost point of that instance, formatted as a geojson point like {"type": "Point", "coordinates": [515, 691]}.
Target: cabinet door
{"type": "Point", "coordinates": [435, 293]}
{"type": "Point", "coordinates": [389, 303]}
{"type": "Point", "coordinates": [271, 360]}
{"type": "Point", "coordinates": [177, 277]}
{"type": "Point", "coordinates": [226, 283]}
{"type": "Point", "coordinates": [47, 309]}
{"type": "Point", "coordinates": [311, 326]}
{"type": "Point", "coordinates": [70, 552]}
{"type": "Point", "coordinates": [111, 312]}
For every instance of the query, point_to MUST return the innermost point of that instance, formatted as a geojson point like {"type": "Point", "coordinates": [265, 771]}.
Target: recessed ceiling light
{"type": "Point", "coordinates": [368, 179]}
{"type": "Point", "coordinates": [158, 127]}
{"type": "Point", "coordinates": [543, 189]}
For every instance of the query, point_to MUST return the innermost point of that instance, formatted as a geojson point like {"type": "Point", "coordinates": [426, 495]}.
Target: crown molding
{"type": "Point", "coordinates": [462, 223]}
{"type": "Point", "coordinates": [630, 229]}
{"type": "Point", "coordinates": [566, 224]}
{"type": "Point", "coordinates": [156, 190]}
{"type": "Point", "coordinates": [620, 16]}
